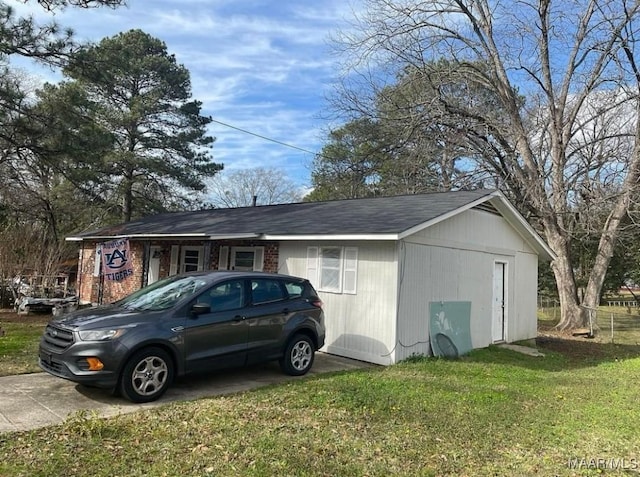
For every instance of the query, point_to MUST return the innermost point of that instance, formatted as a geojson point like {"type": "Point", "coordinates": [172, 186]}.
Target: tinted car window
{"type": "Point", "coordinates": [265, 290]}
{"type": "Point", "coordinates": [294, 289]}
{"type": "Point", "coordinates": [225, 296]}
{"type": "Point", "coordinates": [164, 294]}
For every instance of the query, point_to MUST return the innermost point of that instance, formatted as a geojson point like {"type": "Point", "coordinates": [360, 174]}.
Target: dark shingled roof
{"type": "Point", "coordinates": [380, 215]}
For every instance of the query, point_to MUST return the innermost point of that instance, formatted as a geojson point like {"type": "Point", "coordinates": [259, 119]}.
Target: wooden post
{"type": "Point", "coordinates": [612, 327]}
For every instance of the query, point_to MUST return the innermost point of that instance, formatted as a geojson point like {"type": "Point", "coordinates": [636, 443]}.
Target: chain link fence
{"type": "Point", "coordinates": [615, 321]}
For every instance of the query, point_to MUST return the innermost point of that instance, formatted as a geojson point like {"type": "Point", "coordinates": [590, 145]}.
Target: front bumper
{"type": "Point", "coordinates": [71, 364]}
{"type": "Point", "coordinates": [100, 379]}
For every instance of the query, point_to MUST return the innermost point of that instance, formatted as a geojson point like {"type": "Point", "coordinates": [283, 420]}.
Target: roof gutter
{"type": "Point", "coordinates": [193, 236]}
{"type": "Point", "coordinates": [332, 237]}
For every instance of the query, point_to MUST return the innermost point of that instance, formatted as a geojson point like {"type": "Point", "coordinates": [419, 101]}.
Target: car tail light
{"type": "Point", "coordinates": [317, 302]}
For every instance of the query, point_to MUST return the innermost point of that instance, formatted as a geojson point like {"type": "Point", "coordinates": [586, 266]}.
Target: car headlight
{"type": "Point", "coordinates": [99, 335]}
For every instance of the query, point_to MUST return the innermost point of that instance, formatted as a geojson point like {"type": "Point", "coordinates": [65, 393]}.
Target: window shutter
{"type": "Point", "coordinates": [258, 259]}
{"type": "Point", "coordinates": [200, 259]}
{"type": "Point", "coordinates": [223, 258]}
{"type": "Point", "coordinates": [312, 265]}
{"type": "Point", "coordinates": [350, 278]}
{"type": "Point", "coordinates": [173, 265]}
{"type": "Point", "coordinates": [98, 260]}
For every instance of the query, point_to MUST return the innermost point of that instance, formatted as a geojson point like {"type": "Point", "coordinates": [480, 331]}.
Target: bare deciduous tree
{"type": "Point", "coordinates": [565, 79]}
{"type": "Point", "coordinates": [238, 189]}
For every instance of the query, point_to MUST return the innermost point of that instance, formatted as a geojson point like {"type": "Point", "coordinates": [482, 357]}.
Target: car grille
{"type": "Point", "coordinates": [58, 338]}
{"type": "Point", "coordinates": [52, 366]}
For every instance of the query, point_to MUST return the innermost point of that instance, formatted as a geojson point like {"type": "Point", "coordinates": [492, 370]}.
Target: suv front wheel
{"type": "Point", "coordinates": [298, 356]}
{"type": "Point", "coordinates": [147, 375]}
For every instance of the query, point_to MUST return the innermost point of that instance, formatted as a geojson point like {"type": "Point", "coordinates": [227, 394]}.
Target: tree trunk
{"type": "Point", "coordinates": [127, 196]}
{"type": "Point", "coordinates": [611, 228]}
{"type": "Point", "coordinates": [605, 252]}
{"type": "Point", "coordinates": [571, 314]}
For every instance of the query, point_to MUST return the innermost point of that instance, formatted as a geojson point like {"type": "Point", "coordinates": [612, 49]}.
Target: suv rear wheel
{"type": "Point", "coordinates": [147, 375]}
{"type": "Point", "coordinates": [298, 356]}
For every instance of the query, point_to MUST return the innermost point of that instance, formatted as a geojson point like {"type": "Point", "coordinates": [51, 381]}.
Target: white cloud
{"type": "Point", "coordinates": [263, 66]}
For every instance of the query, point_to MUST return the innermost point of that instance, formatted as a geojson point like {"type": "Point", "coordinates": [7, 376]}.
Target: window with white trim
{"type": "Point", "coordinates": [330, 265]}
{"type": "Point", "coordinates": [192, 259]}
{"type": "Point", "coordinates": [333, 269]}
{"type": "Point", "coordinates": [186, 259]}
{"type": "Point", "coordinates": [241, 258]}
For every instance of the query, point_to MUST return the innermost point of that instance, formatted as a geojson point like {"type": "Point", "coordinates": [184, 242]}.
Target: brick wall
{"type": "Point", "coordinates": [87, 289]}
{"type": "Point", "coordinates": [88, 285]}
{"type": "Point", "coordinates": [271, 257]}
{"type": "Point", "coordinates": [114, 290]}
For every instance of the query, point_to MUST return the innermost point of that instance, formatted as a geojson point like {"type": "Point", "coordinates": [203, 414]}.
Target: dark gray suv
{"type": "Point", "coordinates": [183, 324]}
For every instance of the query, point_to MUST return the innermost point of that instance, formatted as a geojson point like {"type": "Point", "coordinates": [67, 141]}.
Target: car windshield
{"type": "Point", "coordinates": [163, 294]}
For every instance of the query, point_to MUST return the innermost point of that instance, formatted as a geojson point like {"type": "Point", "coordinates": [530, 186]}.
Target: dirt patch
{"type": "Point", "coordinates": [583, 349]}
{"type": "Point", "coordinates": [577, 347]}
{"type": "Point", "coordinates": [570, 346]}
{"type": "Point", "coordinates": [10, 316]}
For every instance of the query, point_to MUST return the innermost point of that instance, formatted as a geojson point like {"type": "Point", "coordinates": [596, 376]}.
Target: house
{"type": "Point", "coordinates": [418, 274]}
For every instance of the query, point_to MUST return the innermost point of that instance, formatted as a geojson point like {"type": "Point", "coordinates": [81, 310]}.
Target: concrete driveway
{"type": "Point", "coordinates": [30, 401]}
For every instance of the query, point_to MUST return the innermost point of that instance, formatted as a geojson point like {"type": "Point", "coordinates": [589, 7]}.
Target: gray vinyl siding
{"type": "Point", "coordinates": [474, 230]}
{"type": "Point", "coordinates": [387, 319]}
{"type": "Point", "coordinates": [434, 274]}
{"type": "Point", "coordinates": [361, 325]}
{"type": "Point", "coordinates": [524, 321]}
{"type": "Point", "coordinates": [454, 261]}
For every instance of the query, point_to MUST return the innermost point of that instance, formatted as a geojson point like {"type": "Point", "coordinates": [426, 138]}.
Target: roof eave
{"type": "Point", "coordinates": [190, 236]}
{"type": "Point", "coordinates": [511, 215]}
{"type": "Point", "coordinates": [443, 217]}
{"type": "Point", "coordinates": [326, 237]}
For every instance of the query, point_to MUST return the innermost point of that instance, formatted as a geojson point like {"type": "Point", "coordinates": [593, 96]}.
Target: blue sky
{"type": "Point", "coordinates": [262, 66]}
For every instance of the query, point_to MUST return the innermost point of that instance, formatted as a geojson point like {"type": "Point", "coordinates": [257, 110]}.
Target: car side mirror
{"type": "Point", "coordinates": [201, 308]}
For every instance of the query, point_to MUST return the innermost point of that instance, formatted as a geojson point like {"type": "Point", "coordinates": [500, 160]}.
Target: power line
{"type": "Point", "coordinates": [264, 137]}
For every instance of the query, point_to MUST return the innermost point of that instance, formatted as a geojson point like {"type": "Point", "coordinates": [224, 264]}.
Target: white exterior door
{"type": "Point", "coordinates": [241, 258]}
{"type": "Point", "coordinates": [499, 301]}
{"type": "Point", "coordinates": [154, 265]}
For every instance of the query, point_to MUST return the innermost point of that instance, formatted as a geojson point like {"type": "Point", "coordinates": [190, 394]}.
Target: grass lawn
{"type": "Point", "coordinates": [615, 324]}
{"type": "Point", "coordinates": [19, 343]}
{"type": "Point", "coordinates": [493, 412]}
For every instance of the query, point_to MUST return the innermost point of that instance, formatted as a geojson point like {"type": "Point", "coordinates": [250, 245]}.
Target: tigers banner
{"type": "Point", "coordinates": [116, 262]}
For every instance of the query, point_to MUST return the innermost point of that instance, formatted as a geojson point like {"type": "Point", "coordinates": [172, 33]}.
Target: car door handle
{"type": "Point", "coordinates": [285, 311]}
{"type": "Point", "coordinates": [239, 318]}
{"type": "Point", "coordinates": [177, 329]}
